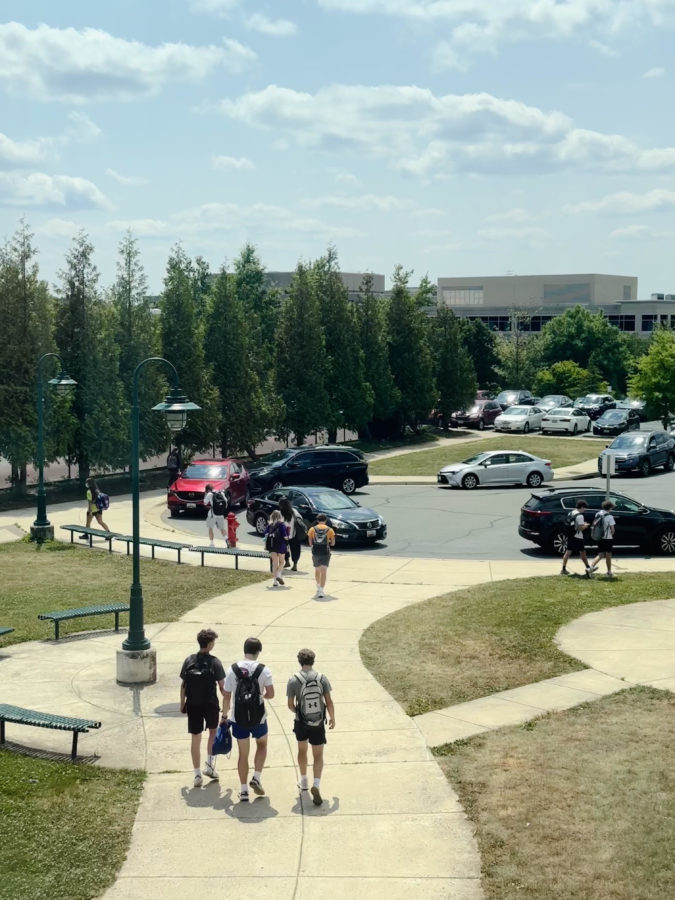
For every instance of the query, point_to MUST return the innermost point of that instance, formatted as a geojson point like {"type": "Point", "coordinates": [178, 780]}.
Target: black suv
{"type": "Point", "coordinates": [340, 467]}
{"type": "Point", "coordinates": [641, 452]}
{"type": "Point", "coordinates": [515, 398]}
{"type": "Point", "coordinates": [543, 520]}
{"type": "Point", "coordinates": [594, 405]}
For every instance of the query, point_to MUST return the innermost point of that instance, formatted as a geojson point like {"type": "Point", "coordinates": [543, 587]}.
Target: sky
{"type": "Point", "coordinates": [453, 137]}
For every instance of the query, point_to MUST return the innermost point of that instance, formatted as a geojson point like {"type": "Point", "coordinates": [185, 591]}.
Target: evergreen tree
{"type": "Point", "coordinates": [86, 331]}
{"type": "Point", "coordinates": [301, 363]}
{"type": "Point", "coordinates": [201, 286]}
{"type": "Point", "coordinates": [456, 383]}
{"type": "Point", "coordinates": [425, 295]}
{"type": "Point", "coordinates": [138, 338]}
{"type": "Point", "coordinates": [244, 417]}
{"type": "Point", "coordinates": [481, 344]}
{"type": "Point", "coordinates": [350, 397]}
{"type": "Point", "coordinates": [372, 323]}
{"type": "Point", "coordinates": [409, 355]}
{"type": "Point", "coordinates": [182, 345]}
{"type": "Point", "coordinates": [27, 316]}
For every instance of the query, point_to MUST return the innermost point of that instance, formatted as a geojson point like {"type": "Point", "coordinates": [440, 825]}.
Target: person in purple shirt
{"type": "Point", "coordinates": [276, 536]}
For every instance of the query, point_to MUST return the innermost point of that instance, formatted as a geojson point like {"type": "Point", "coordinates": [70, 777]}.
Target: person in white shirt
{"type": "Point", "coordinates": [248, 684]}
{"type": "Point", "coordinates": [606, 542]}
{"type": "Point", "coordinates": [576, 541]}
{"type": "Point", "coordinates": [214, 517]}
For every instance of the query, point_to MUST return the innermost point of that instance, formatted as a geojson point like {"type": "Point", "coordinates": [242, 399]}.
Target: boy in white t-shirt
{"type": "Point", "coordinates": [247, 668]}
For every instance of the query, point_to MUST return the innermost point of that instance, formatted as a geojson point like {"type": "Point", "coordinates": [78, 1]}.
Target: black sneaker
{"type": "Point", "coordinates": [83, 537]}
{"type": "Point", "coordinates": [316, 796]}
{"type": "Point", "coordinates": [257, 787]}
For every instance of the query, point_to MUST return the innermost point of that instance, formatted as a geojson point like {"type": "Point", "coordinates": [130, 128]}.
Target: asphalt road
{"type": "Point", "coordinates": [428, 521]}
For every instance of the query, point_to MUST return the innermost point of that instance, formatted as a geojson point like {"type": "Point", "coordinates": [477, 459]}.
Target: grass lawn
{"type": "Point", "coordinates": [490, 638]}
{"type": "Point", "coordinates": [64, 576]}
{"type": "Point", "coordinates": [67, 827]}
{"type": "Point", "coordinates": [561, 451]}
{"type": "Point", "coordinates": [578, 804]}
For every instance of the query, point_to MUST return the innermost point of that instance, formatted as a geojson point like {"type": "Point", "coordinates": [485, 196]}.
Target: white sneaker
{"type": "Point", "coordinates": [320, 594]}
{"type": "Point", "coordinates": [275, 583]}
{"type": "Point", "coordinates": [198, 780]}
{"type": "Point", "coordinates": [211, 544]}
{"type": "Point", "coordinates": [211, 772]}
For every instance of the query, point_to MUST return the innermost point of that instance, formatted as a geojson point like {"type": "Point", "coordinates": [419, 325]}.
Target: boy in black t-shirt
{"type": "Point", "coordinates": [199, 675]}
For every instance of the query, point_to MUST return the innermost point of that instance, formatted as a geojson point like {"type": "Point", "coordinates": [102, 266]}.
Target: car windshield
{"type": "Point", "coordinates": [548, 402]}
{"type": "Point", "coordinates": [629, 441]}
{"type": "Point", "coordinates": [515, 411]}
{"type": "Point", "coordinates": [274, 459]}
{"type": "Point", "coordinates": [558, 412]}
{"type": "Point", "coordinates": [331, 500]}
{"type": "Point", "coordinates": [613, 415]}
{"type": "Point", "coordinates": [472, 460]}
{"type": "Point", "coordinates": [505, 396]}
{"type": "Point", "coordinates": [589, 400]}
{"type": "Point", "coordinates": [203, 473]}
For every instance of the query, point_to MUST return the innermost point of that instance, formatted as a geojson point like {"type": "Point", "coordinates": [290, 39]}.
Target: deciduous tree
{"type": "Point", "coordinates": [655, 376]}
{"type": "Point", "coordinates": [372, 322]}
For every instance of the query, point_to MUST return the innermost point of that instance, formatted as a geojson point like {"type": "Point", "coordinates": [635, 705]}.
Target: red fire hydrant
{"type": "Point", "coordinates": [232, 526]}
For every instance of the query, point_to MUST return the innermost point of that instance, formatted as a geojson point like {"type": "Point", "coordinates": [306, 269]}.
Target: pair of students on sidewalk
{"type": "Point", "coordinates": [607, 526]}
{"type": "Point", "coordinates": [248, 683]}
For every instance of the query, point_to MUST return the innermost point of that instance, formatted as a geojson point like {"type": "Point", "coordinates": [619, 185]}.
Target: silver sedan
{"type": "Point", "coordinates": [519, 418]}
{"type": "Point", "coordinates": [497, 467]}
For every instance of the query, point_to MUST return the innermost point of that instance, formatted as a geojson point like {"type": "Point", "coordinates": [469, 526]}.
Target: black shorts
{"type": "Point", "coordinates": [315, 734]}
{"type": "Point", "coordinates": [605, 545]}
{"type": "Point", "coordinates": [320, 559]}
{"type": "Point", "coordinates": [576, 544]}
{"type": "Point", "coordinates": [200, 713]}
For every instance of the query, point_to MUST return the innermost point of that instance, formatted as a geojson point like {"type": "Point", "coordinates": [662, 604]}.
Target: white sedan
{"type": "Point", "coordinates": [571, 421]}
{"type": "Point", "coordinates": [519, 418]}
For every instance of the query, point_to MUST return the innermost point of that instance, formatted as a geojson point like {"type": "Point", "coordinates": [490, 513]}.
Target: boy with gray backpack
{"type": "Point", "coordinates": [309, 698]}
{"type": "Point", "coordinates": [602, 531]}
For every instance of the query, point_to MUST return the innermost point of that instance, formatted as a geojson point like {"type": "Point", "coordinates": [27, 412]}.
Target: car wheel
{"type": "Point", "coordinates": [469, 482]}
{"type": "Point", "coordinates": [669, 464]}
{"type": "Point", "coordinates": [575, 429]}
{"type": "Point", "coordinates": [526, 427]}
{"type": "Point", "coordinates": [534, 479]}
{"type": "Point", "coordinates": [260, 523]}
{"type": "Point", "coordinates": [348, 486]}
{"type": "Point", "coordinates": [558, 544]}
{"type": "Point", "coordinates": [543, 432]}
{"type": "Point", "coordinates": [665, 542]}
{"type": "Point", "coordinates": [481, 425]}
{"type": "Point", "coordinates": [644, 468]}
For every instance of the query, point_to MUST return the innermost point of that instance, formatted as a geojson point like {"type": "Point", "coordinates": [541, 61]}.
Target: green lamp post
{"type": "Point", "coordinates": [136, 661]}
{"type": "Point", "coordinates": [41, 529]}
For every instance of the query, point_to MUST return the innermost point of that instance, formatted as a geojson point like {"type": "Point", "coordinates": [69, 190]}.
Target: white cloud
{"type": "Point", "coordinates": [77, 66]}
{"type": "Point", "coordinates": [23, 153]}
{"type": "Point", "coordinates": [81, 129]}
{"type": "Point", "coordinates": [38, 189]}
{"type": "Point", "coordinates": [521, 234]}
{"type": "Point", "coordinates": [432, 136]}
{"type": "Point", "coordinates": [347, 178]}
{"type": "Point", "coordinates": [221, 7]}
{"type": "Point", "coordinates": [657, 72]}
{"type": "Point", "coordinates": [272, 27]}
{"type": "Point", "coordinates": [481, 26]}
{"type": "Point", "coordinates": [58, 228]}
{"type": "Point", "coordinates": [631, 231]}
{"type": "Point", "coordinates": [626, 202]}
{"type": "Point", "coordinates": [517, 214]}
{"type": "Point", "coordinates": [227, 163]}
{"type": "Point", "coordinates": [126, 180]}
{"type": "Point", "coordinates": [364, 203]}
{"type": "Point", "coordinates": [603, 49]}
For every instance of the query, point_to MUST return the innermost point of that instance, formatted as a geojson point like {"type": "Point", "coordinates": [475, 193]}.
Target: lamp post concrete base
{"type": "Point", "coordinates": [137, 666]}
{"type": "Point", "coordinates": [41, 533]}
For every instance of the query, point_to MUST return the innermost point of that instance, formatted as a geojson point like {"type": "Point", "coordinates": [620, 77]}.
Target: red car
{"type": "Point", "coordinates": [482, 413]}
{"type": "Point", "coordinates": [186, 494]}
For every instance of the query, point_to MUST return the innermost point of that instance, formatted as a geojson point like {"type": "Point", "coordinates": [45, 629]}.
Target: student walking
{"type": "Point", "coordinates": [248, 684]}
{"type": "Point", "coordinates": [93, 510]}
{"type": "Point", "coordinates": [321, 538]}
{"type": "Point", "coordinates": [575, 542]}
{"type": "Point", "coordinates": [173, 465]}
{"type": "Point", "coordinates": [200, 674]}
{"type": "Point", "coordinates": [216, 508]}
{"type": "Point", "coordinates": [276, 537]}
{"type": "Point", "coordinates": [605, 523]}
{"type": "Point", "coordinates": [309, 697]}
{"type": "Point", "coordinates": [296, 532]}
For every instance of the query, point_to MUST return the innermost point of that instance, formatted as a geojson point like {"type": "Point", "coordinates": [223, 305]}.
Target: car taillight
{"type": "Point", "coordinates": [249, 504]}
{"type": "Point", "coordinates": [537, 513]}
{"type": "Point", "coordinates": [548, 464]}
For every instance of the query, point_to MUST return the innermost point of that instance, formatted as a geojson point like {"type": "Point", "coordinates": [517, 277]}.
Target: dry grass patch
{"type": "Point", "coordinates": [578, 804]}
{"type": "Point", "coordinates": [489, 638]}
{"type": "Point", "coordinates": [37, 578]}
{"type": "Point", "coordinates": [561, 451]}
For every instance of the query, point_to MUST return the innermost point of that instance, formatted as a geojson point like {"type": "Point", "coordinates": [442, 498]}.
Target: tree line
{"type": "Point", "coordinates": [257, 361]}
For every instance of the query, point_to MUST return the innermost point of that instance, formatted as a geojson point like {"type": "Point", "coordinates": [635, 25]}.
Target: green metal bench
{"type": "Point", "coordinates": [232, 551]}
{"type": "Point", "coordinates": [5, 630]}
{"type": "Point", "coordinates": [109, 536]}
{"type": "Point", "coordinates": [61, 615]}
{"type": "Point", "coordinates": [153, 542]}
{"type": "Point", "coordinates": [21, 716]}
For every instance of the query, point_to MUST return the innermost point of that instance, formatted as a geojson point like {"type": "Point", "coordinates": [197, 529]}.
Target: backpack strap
{"type": "Point", "coordinates": [238, 674]}
{"type": "Point", "coordinates": [257, 672]}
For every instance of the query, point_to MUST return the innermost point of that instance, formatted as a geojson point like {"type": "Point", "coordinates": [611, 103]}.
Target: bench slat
{"type": "Point", "coordinates": [6, 630]}
{"type": "Point", "coordinates": [19, 715]}
{"type": "Point", "coordinates": [83, 611]}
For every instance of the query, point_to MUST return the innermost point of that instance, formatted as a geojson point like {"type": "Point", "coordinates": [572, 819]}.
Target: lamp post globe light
{"type": "Point", "coordinates": [137, 660]}
{"type": "Point", "coordinates": [41, 529]}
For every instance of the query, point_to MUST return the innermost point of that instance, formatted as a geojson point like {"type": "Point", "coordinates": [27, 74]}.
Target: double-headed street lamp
{"type": "Point", "coordinates": [137, 661]}
{"type": "Point", "coordinates": [41, 529]}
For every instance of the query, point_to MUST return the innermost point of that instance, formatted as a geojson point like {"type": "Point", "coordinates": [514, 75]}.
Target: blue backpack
{"type": "Point", "coordinates": [102, 501]}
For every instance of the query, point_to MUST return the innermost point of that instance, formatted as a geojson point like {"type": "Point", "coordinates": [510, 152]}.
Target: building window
{"type": "Point", "coordinates": [626, 292]}
{"type": "Point", "coordinates": [648, 323]}
{"type": "Point", "coordinates": [463, 296]}
{"type": "Point", "coordinates": [623, 323]}
{"type": "Point", "coordinates": [567, 293]}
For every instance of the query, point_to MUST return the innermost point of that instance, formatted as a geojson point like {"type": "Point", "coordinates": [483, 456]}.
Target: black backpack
{"type": "Point", "coordinates": [249, 707]}
{"type": "Point", "coordinates": [320, 541]}
{"type": "Point", "coordinates": [570, 522]}
{"type": "Point", "coordinates": [270, 538]}
{"type": "Point", "coordinates": [219, 504]}
{"type": "Point", "coordinates": [200, 680]}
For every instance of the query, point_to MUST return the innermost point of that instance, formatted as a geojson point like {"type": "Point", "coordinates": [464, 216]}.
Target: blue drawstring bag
{"type": "Point", "coordinates": [222, 742]}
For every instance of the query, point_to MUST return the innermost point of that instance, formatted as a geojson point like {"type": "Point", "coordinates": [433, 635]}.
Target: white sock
{"type": "Point", "coordinates": [210, 760]}
{"type": "Point", "coordinates": [244, 789]}
{"type": "Point", "coordinates": [303, 781]}
{"type": "Point", "coordinates": [197, 772]}
{"type": "Point", "coordinates": [257, 775]}
{"type": "Point", "coordinates": [317, 781]}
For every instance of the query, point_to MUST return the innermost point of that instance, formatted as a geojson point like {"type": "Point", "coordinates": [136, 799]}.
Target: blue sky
{"type": "Point", "coordinates": [456, 137]}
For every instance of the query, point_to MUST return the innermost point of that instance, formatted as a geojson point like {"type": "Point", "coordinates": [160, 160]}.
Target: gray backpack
{"type": "Point", "coordinates": [598, 527]}
{"type": "Point", "coordinates": [312, 706]}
